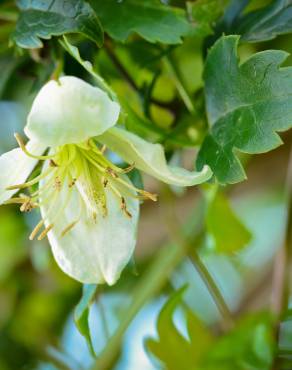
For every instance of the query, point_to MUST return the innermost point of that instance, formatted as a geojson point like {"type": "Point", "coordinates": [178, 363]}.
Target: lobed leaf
{"type": "Point", "coordinates": [44, 19]}
{"type": "Point", "coordinates": [151, 19]}
{"type": "Point", "coordinates": [228, 232]}
{"type": "Point", "coordinates": [247, 105]}
{"type": "Point", "coordinates": [268, 22]}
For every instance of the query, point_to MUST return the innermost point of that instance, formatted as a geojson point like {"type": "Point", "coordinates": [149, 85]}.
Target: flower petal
{"type": "Point", "coordinates": [16, 166]}
{"type": "Point", "coordinates": [150, 158]}
{"type": "Point", "coordinates": [70, 111]}
{"type": "Point", "coordinates": [92, 251]}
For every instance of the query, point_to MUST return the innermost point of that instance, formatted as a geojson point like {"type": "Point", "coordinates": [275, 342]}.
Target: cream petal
{"type": "Point", "coordinates": [150, 158]}
{"type": "Point", "coordinates": [16, 166]}
{"type": "Point", "coordinates": [70, 111]}
{"type": "Point", "coordinates": [92, 251]}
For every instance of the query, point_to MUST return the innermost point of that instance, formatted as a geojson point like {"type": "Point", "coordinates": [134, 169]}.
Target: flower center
{"type": "Point", "coordinates": [83, 167]}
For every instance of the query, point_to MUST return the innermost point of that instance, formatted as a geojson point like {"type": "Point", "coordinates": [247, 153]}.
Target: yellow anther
{"type": "Point", "coordinates": [36, 230]}
{"type": "Point", "coordinates": [72, 183]}
{"type": "Point", "coordinates": [124, 208]}
{"type": "Point", "coordinates": [57, 183]}
{"type": "Point", "coordinates": [52, 163]}
{"type": "Point", "coordinates": [68, 228]}
{"type": "Point", "coordinates": [27, 206]}
{"type": "Point", "coordinates": [111, 172]}
{"type": "Point", "coordinates": [44, 233]}
{"type": "Point", "coordinates": [128, 169]}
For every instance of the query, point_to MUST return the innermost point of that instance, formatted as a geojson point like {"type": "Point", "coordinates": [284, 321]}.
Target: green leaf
{"type": "Point", "coordinates": [246, 105]}
{"type": "Point", "coordinates": [82, 312]}
{"type": "Point", "coordinates": [142, 126]}
{"type": "Point", "coordinates": [229, 233]}
{"type": "Point", "coordinates": [43, 19]}
{"type": "Point", "coordinates": [74, 52]}
{"type": "Point", "coordinates": [172, 348]}
{"type": "Point", "coordinates": [268, 22]}
{"type": "Point", "coordinates": [152, 20]}
{"type": "Point", "coordinates": [250, 345]}
{"type": "Point", "coordinates": [203, 14]}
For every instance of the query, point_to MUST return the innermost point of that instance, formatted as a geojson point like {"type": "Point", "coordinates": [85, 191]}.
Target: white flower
{"type": "Point", "coordinates": [88, 205]}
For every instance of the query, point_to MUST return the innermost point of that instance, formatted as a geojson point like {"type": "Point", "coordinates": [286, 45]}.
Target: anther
{"type": "Point", "coordinates": [124, 208]}
{"type": "Point", "coordinates": [57, 183]}
{"type": "Point", "coordinates": [72, 183]}
{"type": "Point", "coordinates": [129, 168]}
{"type": "Point", "coordinates": [44, 233]}
{"type": "Point", "coordinates": [27, 206]}
{"type": "Point", "coordinates": [111, 172]}
{"type": "Point", "coordinates": [148, 195]}
{"type": "Point", "coordinates": [68, 228]}
{"type": "Point", "coordinates": [36, 230]}
{"type": "Point", "coordinates": [104, 182]}
{"type": "Point", "coordinates": [52, 163]}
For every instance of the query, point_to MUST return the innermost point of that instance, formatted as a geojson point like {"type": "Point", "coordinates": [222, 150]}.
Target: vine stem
{"type": "Point", "coordinates": [213, 289]}
{"type": "Point", "coordinates": [177, 235]}
{"type": "Point", "coordinates": [172, 105]}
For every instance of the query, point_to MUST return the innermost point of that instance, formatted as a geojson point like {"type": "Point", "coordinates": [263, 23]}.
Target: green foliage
{"type": "Point", "coordinates": [249, 345]}
{"type": "Point", "coordinates": [82, 313]}
{"type": "Point", "coordinates": [42, 20]}
{"type": "Point", "coordinates": [152, 20]}
{"type": "Point", "coordinates": [151, 63]}
{"type": "Point", "coordinates": [246, 105]}
{"type": "Point", "coordinates": [266, 23]}
{"type": "Point", "coordinates": [172, 348]}
{"type": "Point", "coordinates": [223, 225]}
{"type": "Point", "coordinates": [203, 15]}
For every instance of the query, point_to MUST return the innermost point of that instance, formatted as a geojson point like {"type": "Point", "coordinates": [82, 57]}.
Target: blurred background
{"type": "Point", "coordinates": [38, 301]}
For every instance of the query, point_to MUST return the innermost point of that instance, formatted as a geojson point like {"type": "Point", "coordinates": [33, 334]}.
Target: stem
{"type": "Point", "coordinates": [175, 231]}
{"type": "Point", "coordinates": [180, 88]}
{"type": "Point", "coordinates": [213, 289]}
{"type": "Point", "coordinates": [124, 73]}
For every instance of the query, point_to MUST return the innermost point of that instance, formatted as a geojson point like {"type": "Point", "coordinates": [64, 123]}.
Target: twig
{"type": "Point", "coordinates": [175, 231]}
{"type": "Point", "coordinates": [124, 73]}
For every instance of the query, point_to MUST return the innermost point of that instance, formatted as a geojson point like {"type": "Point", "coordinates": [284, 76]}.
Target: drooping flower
{"type": "Point", "coordinates": [88, 205]}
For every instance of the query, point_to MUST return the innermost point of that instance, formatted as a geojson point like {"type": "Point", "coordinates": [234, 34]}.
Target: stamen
{"type": "Point", "coordinates": [69, 227]}
{"type": "Point", "coordinates": [44, 233]}
{"type": "Point", "coordinates": [52, 163]}
{"type": "Point", "coordinates": [57, 183]}
{"type": "Point", "coordinates": [143, 192]}
{"type": "Point", "coordinates": [18, 200]}
{"type": "Point", "coordinates": [124, 208]}
{"type": "Point", "coordinates": [32, 182]}
{"type": "Point", "coordinates": [110, 171]}
{"type": "Point", "coordinates": [122, 200]}
{"type": "Point", "coordinates": [104, 181]}
{"type": "Point", "coordinates": [27, 206]}
{"type": "Point", "coordinates": [128, 169]}
{"type": "Point", "coordinates": [23, 148]}
{"type": "Point", "coordinates": [36, 230]}
{"type": "Point", "coordinates": [72, 183]}
{"type": "Point", "coordinates": [103, 149]}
